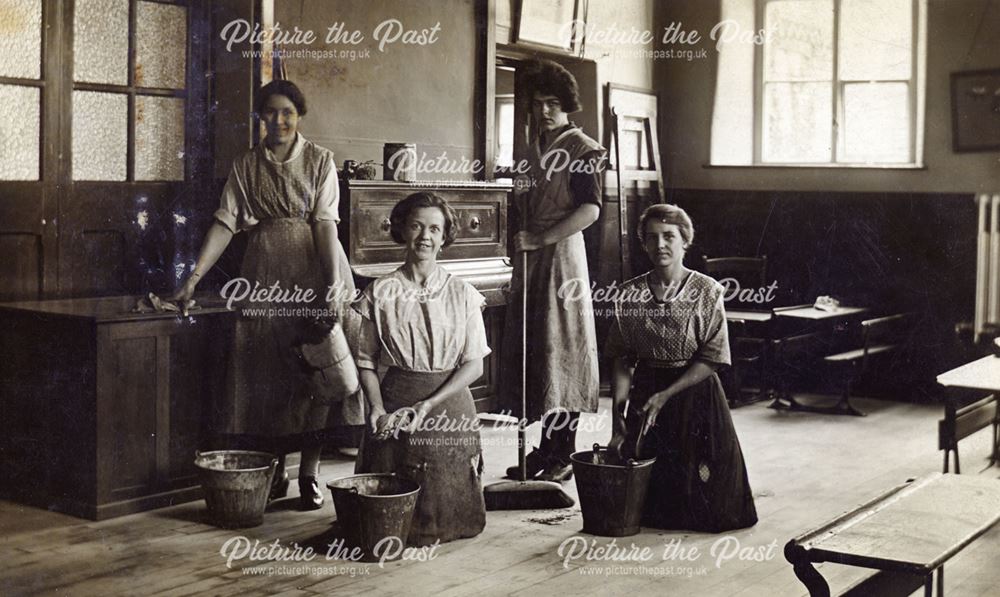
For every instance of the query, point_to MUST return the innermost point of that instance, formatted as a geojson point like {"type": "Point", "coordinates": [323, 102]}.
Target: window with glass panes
{"type": "Point", "coordinates": [21, 87]}
{"type": "Point", "coordinates": [128, 78]}
{"type": "Point", "coordinates": [834, 83]}
{"type": "Point", "coordinates": [129, 81]}
{"type": "Point", "coordinates": [837, 82]}
{"type": "Point", "coordinates": [97, 113]}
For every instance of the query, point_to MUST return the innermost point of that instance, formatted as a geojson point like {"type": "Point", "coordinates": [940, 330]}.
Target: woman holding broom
{"type": "Point", "coordinates": [564, 198]}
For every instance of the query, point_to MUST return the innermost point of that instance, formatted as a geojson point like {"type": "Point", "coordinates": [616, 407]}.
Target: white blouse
{"type": "Point", "coordinates": [434, 327]}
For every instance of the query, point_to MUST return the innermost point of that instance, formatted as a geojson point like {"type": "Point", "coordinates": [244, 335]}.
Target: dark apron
{"type": "Point", "coordinates": [446, 462]}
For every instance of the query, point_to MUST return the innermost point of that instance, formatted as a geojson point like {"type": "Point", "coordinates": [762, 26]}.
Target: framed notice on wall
{"type": "Point", "coordinates": [975, 110]}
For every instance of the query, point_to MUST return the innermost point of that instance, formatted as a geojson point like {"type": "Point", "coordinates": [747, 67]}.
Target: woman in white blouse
{"type": "Point", "coordinates": [426, 325]}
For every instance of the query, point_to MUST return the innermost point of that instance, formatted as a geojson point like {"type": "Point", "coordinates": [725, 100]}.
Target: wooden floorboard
{"type": "Point", "coordinates": [804, 469]}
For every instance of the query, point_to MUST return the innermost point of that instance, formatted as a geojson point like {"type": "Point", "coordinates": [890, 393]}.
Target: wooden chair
{"type": "Point", "coordinates": [747, 272]}
{"type": "Point", "coordinates": [882, 339]}
{"type": "Point", "coordinates": [748, 339]}
{"type": "Point", "coordinates": [748, 358]}
{"type": "Point", "coordinates": [631, 121]}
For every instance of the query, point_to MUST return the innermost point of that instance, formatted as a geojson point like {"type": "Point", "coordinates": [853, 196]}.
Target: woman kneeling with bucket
{"type": "Point", "coordinates": [427, 325]}
{"type": "Point", "coordinates": [671, 323]}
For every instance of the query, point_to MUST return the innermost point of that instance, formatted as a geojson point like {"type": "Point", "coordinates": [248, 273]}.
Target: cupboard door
{"type": "Point", "coordinates": [156, 380]}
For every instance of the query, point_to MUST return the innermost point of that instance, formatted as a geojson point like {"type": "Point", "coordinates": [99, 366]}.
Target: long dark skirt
{"type": "Point", "coordinates": [699, 481]}
{"type": "Point", "coordinates": [446, 461]}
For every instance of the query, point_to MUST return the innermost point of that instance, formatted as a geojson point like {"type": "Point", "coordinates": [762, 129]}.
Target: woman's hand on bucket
{"type": "Point", "coordinates": [652, 409]}
{"type": "Point", "coordinates": [616, 443]}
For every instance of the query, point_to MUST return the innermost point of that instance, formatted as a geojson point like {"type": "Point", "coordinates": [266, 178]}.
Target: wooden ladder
{"type": "Point", "coordinates": [628, 121]}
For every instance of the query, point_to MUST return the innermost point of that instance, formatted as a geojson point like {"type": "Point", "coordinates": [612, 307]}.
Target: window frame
{"type": "Point", "coordinates": [916, 90]}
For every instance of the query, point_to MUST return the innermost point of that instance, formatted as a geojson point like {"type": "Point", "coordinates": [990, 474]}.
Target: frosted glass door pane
{"type": "Point", "coordinates": [797, 122]}
{"type": "Point", "coordinates": [19, 130]}
{"type": "Point", "coordinates": [876, 123]}
{"type": "Point", "coordinates": [159, 138]}
{"type": "Point", "coordinates": [801, 45]}
{"type": "Point", "coordinates": [100, 135]}
{"type": "Point", "coordinates": [21, 39]}
{"type": "Point", "coordinates": [161, 45]}
{"type": "Point", "coordinates": [100, 41]}
{"type": "Point", "coordinates": [876, 39]}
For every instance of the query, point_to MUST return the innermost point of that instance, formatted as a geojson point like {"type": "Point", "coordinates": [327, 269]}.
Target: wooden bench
{"type": "Point", "coordinates": [881, 337]}
{"type": "Point", "coordinates": [906, 534]}
{"type": "Point", "coordinates": [960, 423]}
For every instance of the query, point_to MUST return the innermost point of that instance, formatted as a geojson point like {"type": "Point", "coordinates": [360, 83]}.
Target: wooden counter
{"type": "Point", "coordinates": [102, 409]}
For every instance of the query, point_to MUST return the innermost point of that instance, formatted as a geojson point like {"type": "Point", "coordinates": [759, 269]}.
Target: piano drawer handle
{"type": "Point", "coordinates": [474, 223]}
{"type": "Point", "coordinates": [386, 224]}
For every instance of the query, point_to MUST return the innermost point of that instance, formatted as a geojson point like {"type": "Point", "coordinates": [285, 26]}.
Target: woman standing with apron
{"type": "Point", "coordinates": [564, 199]}
{"type": "Point", "coordinates": [284, 195]}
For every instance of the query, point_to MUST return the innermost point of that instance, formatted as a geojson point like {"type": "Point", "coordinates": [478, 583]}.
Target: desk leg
{"type": "Point", "coordinates": [786, 401]}
{"type": "Point", "coordinates": [995, 456]}
{"type": "Point", "coordinates": [812, 579]}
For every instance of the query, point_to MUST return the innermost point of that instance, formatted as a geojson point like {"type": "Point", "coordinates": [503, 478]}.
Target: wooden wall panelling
{"type": "Point", "coordinates": [28, 241]}
{"type": "Point", "coordinates": [893, 252]}
{"type": "Point", "coordinates": [28, 209]}
{"type": "Point", "coordinates": [118, 238]}
{"type": "Point", "coordinates": [23, 269]}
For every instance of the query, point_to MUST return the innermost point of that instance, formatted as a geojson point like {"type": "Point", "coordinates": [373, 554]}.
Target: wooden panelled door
{"type": "Point", "coordinates": [104, 131]}
{"type": "Point", "coordinates": [29, 89]}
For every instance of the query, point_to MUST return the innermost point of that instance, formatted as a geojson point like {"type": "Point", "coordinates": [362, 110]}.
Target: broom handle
{"type": "Point", "coordinates": [521, 439]}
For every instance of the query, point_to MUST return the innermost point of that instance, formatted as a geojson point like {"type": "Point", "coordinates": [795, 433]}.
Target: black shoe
{"type": "Point", "coordinates": [310, 497]}
{"type": "Point", "coordinates": [535, 462]}
{"type": "Point", "coordinates": [558, 471]}
{"type": "Point", "coordinates": [279, 486]}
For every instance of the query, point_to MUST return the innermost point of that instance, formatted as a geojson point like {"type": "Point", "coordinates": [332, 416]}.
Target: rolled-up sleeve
{"type": "Point", "coordinates": [233, 212]}
{"type": "Point", "coordinates": [476, 346]}
{"type": "Point", "coordinates": [585, 181]}
{"type": "Point", "coordinates": [368, 350]}
{"type": "Point", "coordinates": [327, 206]}
{"type": "Point", "coordinates": [713, 346]}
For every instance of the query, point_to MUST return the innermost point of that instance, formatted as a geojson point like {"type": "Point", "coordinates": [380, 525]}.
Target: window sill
{"type": "Point", "coordinates": [821, 166]}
